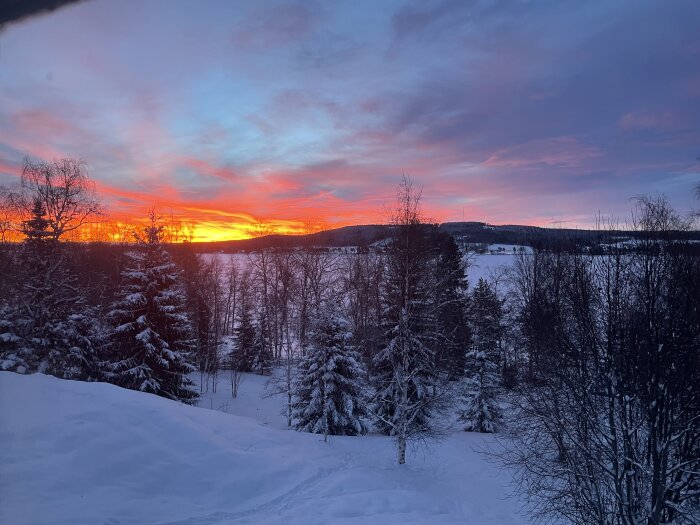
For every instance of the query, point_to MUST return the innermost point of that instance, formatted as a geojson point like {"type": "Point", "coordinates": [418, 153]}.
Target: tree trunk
{"type": "Point", "coordinates": [402, 449]}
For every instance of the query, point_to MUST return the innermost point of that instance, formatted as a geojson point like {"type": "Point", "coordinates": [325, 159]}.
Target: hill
{"type": "Point", "coordinates": [466, 233]}
{"type": "Point", "coordinates": [92, 453]}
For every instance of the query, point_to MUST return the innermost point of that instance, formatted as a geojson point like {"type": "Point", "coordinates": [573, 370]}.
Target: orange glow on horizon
{"type": "Point", "coordinates": [266, 205]}
{"type": "Point", "coordinates": [180, 227]}
{"type": "Point", "coordinates": [215, 219]}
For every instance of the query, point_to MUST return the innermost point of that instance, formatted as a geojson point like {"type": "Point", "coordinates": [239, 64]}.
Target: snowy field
{"type": "Point", "coordinates": [488, 266]}
{"type": "Point", "coordinates": [92, 453]}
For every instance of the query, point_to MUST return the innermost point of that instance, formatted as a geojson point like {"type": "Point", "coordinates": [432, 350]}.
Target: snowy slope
{"type": "Point", "coordinates": [92, 453]}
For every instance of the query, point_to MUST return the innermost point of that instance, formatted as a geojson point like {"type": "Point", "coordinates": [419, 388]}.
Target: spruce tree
{"type": "Point", "coordinates": [328, 390]}
{"type": "Point", "coordinates": [407, 392]}
{"type": "Point", "coordinates": [262, 349]}
{"type": "Point", "coordinates": [153, 336]}
{"type": "Point", "coordinates": [193, 277]}
{"type": "Point", "coordinates": [44, 327]}
{"type": "Point", "coordinates": [12, 355]}
{"type": "Point", "coordinates": [481, 412]}
{"type": "Point", "coordinates": [244, 352]}
{"type": "Point", "coordinates": [451, 304]}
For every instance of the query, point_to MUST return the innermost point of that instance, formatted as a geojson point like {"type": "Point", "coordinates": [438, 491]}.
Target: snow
{"type": "Point", "coordinates": [86, 453]}
{"type": "Point", "coordinates": [487, 266]}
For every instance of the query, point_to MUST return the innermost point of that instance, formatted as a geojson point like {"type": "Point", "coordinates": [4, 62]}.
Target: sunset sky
{"type": "Point", "coordinates": [224, 112]}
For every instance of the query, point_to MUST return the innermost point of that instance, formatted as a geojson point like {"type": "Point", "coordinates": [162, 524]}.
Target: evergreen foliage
{"type": "Point", "coordinates": [329, 390]}
{"type": "Point", "coordinates": [43, 325]}
{"type": "Point", "coordinates": [153, 335]}
{"type": "Point", "coordinates": [451, 298]}
{"type": "Point", "coordinates": [407, 391]}
{"type": "Point", "coordinates": [262, 349]}
{"type": "Point", "coordinates": [190, 266]}
{"type": "Point", "coordinates": [481, 412]}
{"type": "Point", "coordinates": [244, 357]}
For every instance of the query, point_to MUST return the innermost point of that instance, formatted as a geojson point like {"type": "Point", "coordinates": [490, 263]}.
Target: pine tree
{"type": "Point", "coordinates": [481, 412]}
{"type": "Point", "coordinates": [11, 357]}
{"type": "Point", "coordinates": [243, 358]}
{"type": "Point", "coordinates": [407, 393]}
{"type": "Point", "coordinates": [44, 327]}
{"type": "Point", "coordinates": [88, 339]}
{"type": "Point", "coordinates": [328, 390]}
{"type": "Point", "coordinates": [262, 349]}
{"type": "Point", "coordinates": [153, 335]}
{"type": "Point", "coordinates": [451, 297]}
{"type": "Point", "coordinates": [405, 380]}
{"type": "Point", "coordinates": [198, 306]}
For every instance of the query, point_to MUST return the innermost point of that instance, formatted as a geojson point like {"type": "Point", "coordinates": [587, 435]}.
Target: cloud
{"type": "Point", "coordinates": [203, 167]}
{"type": "Point", "coordinates": [660, 120]}
{"type": "Point", "coordinates": [275, 26]}
{"type": "Point", "coordinates": [560, 152]}
{"type": "Point", "coordinates": [510, 111]}
{"type": "Point", "coordinates": [414, 19]}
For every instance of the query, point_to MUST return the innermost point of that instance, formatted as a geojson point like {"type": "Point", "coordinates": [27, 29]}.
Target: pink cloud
{"type": "Point", "coordinates": [207, 168]}
{"type": "Point", "coordinates": [41, 122]}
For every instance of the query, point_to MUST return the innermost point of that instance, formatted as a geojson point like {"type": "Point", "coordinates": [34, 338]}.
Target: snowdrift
{"type": "Point", "coordinates": [92, 453]}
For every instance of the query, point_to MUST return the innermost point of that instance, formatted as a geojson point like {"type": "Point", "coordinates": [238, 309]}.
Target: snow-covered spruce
{"type": "Point", "coordinates": [453, 332]}
{"type": "Point", "coordinates": [328, 390]}
{"type": "Point", "coordinates": [408, 393]}
{"type": "Point", "coordinates": [262, 362]}
{"type": "Point", "coordinates": [45, 325]}
{"type": "Point", "coordinates": [152, 338]}
{"type": "Point", "coordinates": [481, 412]}
{"type": "Point", "coordinates": [242, 357]}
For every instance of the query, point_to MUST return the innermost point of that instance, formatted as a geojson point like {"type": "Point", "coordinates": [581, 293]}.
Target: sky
{"type": "Point", "coordinates": [225, 113]}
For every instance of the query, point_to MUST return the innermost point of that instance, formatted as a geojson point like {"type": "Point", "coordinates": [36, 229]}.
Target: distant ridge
{"type": "Point", "coordinates": [469, 232]}
{"type": "Point", "coordinates": [361, 235]}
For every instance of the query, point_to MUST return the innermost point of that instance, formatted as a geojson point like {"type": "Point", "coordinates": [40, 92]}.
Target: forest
{"type": "Point", "coordinates": [588, 366]}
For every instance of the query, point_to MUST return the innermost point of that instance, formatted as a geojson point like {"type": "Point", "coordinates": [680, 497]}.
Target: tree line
{"type": "Point", "coordinates": [588, 363]}
{"type": "Point", "coordinates": [607, 423]}
{"type": "Point", "coordinates": [388, 323]}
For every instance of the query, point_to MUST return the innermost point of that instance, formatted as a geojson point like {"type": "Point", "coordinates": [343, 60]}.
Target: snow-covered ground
{"type": "Point", "coordinates": [252, 400]}
{"type": "Point", "coordinates": [92, 453]}
{"type": "Point", "coordinates": [490, 266]}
